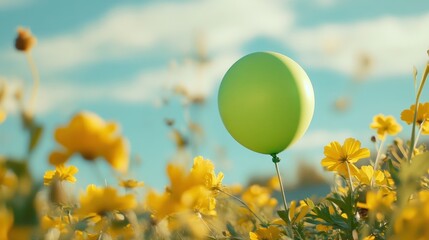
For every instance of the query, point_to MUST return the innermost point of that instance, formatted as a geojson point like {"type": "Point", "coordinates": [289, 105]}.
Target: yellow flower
{"type": "Point", "coordinates": [131, 183]}
{"type": "Point", "coordinates": [91, 137]}
{"type": "Point", "coordinates": [323, 228]}
{"type": "Point", "coordinates": [194, 191]}
{"type": "Point", "coordinates": [385, 125]}
{"type": "Point", "coordinates": [366, 173]}
{"type": "Point", "coordinates": [102, 200]}
{"type": "Point", "coordinates": [60, 223]}
{"type": "Point", "coordinates": [203, 170]}
{"type": "Point", "coordinates": [61, 173]}
{"type": "Point", "coordinates": [378, 201]}
{"type": "Point", "coordinates": [258, 197]}
{"type": "Point", "coordinates": [337, 157]}
{"type": "Point", "coordinates": [6, 220]}
{"type": "Point", "coordinates": [296, 214]}
{"type": "Point", "coordinates": [3, 114]}
{"type": "Point", "coordinates": [413, 219]}
{"type": "Point", "coordinates": [273, 183]}
{"type": "Point", "coordinates": [270, 233]}
{"type": "Point", "coordinates": [79, 235]}
{"type": "Point", "coordinates": [422, 119]}
{"type": "Point", "coordinates": [8, 182]}
{"type": "Point", "coordinates": [25, 40]}
{"type": "Point", "coordinates": [371, 237]}
{"type": "Point", "coordinates": [422, 113]}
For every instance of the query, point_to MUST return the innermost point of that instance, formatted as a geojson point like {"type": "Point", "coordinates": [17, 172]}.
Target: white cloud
{"type": "Point", "coordinates": [395, 44]}
{"type": "Point", "coordinates": [65, 95]}
{"type": "Point", "coordinates": [170, 29]}
{"type": "Point", "coordinates": [160, 27]}
{"type": "Point", "coordinates": [145, 87]}
{"type": "Point", "coordinates": [163, 28]}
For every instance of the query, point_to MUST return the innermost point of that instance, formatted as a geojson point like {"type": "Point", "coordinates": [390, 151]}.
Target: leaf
{"type": "Point", "coordinates": [410, 175]}
{"type": "Point", "coordinates": [35, 136]}
{"type": "Point", "coordinates": [310, 203]}
{"type": "Point", "coordinates": [393, 172]}
{"type": "Point", "coordinates": [417, 168]}
{"type": "Point", "coordinates": [231, 229]}
{"type": "Point", "coordinates": [284, 214]}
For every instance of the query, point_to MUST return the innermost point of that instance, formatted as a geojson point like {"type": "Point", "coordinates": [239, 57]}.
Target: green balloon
{"type": "Point", "coordinates": [266, 102]}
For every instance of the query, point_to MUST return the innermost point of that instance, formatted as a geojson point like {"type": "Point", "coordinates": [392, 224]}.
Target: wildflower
{"type": "Point", "coordinates": [194, 191]}
{"type": "Point", "coordinates": [25, 40]}
{"type": "Point", "coordinates": [258, 197]}
{"type": "Point", "coordinates": [341, 158]}
{"type": "Point", "coordinates": [323, 228]}
{"type": "Point", "coordinates": [378, 202]}
{"type": "Point", "coordinates": [61, 223]}
{"type": "Point", "coordinates": [296, 214]}
{"type": "Point", "coordinates": [91, 137]}
{"type": "Point", "coordinates": [194, 223]}
{"type": "Point", "coordinates": [6, 220]}
{"type": "Point", "coordinates": [270, 233]}
{"type": "Point", "coordinates": [3, 93]}
{"type": "Point", "coordinates": [79, 235]}
{"type": "Point", "coordinates": [422, 116]}
{"type": "Point", "coordinates": [204, 170]}
{"type": "Point", "coordinates": [412, 221]}
{"type": "Point", "coordinates": [274, 183]}
{"type": "Point", "coordinates": [3, 114]}
{"type": "Point", "coordinates": [8, 182]}
{"type": "Point", "coordinates": [385, 125]}
{"type": "Point", "coordinates": [422, 113]}
{"type": "Point", "coordinates": [131, 183]}
{"type": "Point", "coordinates": [61, 173]}
{"type": "Point", "coordinates": [366, 173]}
{"type": "Point", "coordinates": [103, 200]}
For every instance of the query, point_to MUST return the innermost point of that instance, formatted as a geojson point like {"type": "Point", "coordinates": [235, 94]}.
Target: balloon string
{"type": "Point", "coordinates": [276, 161]}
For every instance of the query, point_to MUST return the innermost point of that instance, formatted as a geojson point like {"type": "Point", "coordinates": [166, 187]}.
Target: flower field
{"type": "Point", "coordinates": [377, 194]}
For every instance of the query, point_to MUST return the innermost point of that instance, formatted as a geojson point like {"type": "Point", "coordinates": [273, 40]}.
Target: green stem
{"type": "Point", "coordinates": [418, 134]}
{"type": "Point", "coordinates": [350, 177]}
{"type": "Point", "coordinates": [276, 161]}
{"type": "Point", "coordinates": [36, 82]}
{"type": "Point", "coordinates": [377, 160]}
{"type": "Point", "coordinates": [413, 130]}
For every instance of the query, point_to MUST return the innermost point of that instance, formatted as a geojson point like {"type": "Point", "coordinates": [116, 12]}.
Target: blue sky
{"type": "Point", "coordinates": [120, 59]}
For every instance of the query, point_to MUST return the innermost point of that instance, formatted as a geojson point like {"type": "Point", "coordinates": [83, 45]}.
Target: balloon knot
{"type": "Point", "coordinates": [275, 158]}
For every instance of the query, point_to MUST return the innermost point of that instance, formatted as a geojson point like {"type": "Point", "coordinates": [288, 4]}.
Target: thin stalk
{"type": "Point", "coordinates": [350, 177]}
{"type": "Point", "coordinates": [276, 161]}
{"type": "Point", "coordinates": [418, 134]}
{"type": "Point", "coordinates": [377, 159]}
{"type": "Point", "coordinates": [243, 203]}
{"type": "Point", "coordinates": [413, 130]}
{"type": "Point", "coordinates": [206, 225]}
{"type": "Point", "coordinates": [36, 83]}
